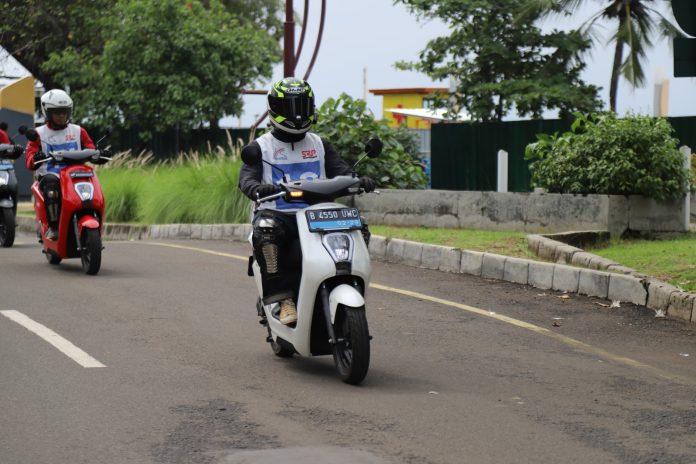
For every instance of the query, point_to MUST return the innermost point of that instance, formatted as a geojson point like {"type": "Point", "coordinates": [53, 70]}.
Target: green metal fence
{"type": "Point", "coordinates": [464, 156]}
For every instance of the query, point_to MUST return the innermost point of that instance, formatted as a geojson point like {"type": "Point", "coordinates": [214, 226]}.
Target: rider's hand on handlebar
{"type": "Point", "coordinates": [367, 184]}
{"type": "Point", "coordinates": [265, 190]}
{"type": "Point", "coordinates": [40, 156]}
{"type": "Point", "coordinates": [18, 150]}
{"type": "Point", "coordinates": [102, 157]}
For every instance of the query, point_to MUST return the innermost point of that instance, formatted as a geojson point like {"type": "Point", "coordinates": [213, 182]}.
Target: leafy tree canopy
{"type": "Point", "coordinates": [500, 64]}
{"type": "Point", "coordinates": [151, 65]}
{"type": "Point", "coordinates": [348, 124]}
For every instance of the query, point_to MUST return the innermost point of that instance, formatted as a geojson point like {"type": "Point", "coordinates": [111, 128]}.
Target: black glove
{"type": "Point", "coordinates": [367, 184]}
{"type": "Point", "coordinates": [40, 156]}
{"type": "Point", "coordinates": [105, 153]}
{"type": "Point", "coordinates": [265, 190]}
{"type": "Point", "coordinates": [18, 150]}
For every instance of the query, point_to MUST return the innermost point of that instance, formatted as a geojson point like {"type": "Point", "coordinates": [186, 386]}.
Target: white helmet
{"type": "Point", "coordinates": [53, 100]}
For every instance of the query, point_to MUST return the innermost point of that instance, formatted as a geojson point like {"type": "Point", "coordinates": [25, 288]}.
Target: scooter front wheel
{"type": "Point", "coordinates": [7, 227]}
{"type": "Point", "coordinates": [352, 350]}
{"type": "Point", "coordinates": [91, 251]}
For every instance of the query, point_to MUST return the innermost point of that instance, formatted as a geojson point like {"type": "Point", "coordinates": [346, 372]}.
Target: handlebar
{"type": "Point", "coordinates": [88, 154]}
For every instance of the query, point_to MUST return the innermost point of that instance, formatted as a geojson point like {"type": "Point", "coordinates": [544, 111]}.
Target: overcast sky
{"type": "Point", "coordinates": [374, 34]}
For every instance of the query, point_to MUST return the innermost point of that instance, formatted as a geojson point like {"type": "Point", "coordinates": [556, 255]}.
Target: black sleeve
{"type": "Point", "coordinates": [250, 175]}
{"type": "Point", "coordinates": [334, 164]}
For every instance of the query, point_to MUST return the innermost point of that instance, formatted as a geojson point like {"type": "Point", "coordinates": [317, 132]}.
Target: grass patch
{"type": "Point", "coordinates": [671, 260]}
{"type": "Point", "coordinates": [190, 189]}
{"type": "Point", "coordinates": [509, 243]}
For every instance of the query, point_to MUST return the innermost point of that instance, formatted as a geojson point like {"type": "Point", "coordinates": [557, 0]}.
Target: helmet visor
{"type": "Point", "coordinates": [295, 109]}
{"type": "Point", "coordinates": [50, 112]}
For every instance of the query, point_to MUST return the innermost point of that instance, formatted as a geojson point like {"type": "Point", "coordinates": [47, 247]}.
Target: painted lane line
{"type": "Point", "coordinates": [60, 343]}
{"type": "Point", "coordinates": [499, 317]}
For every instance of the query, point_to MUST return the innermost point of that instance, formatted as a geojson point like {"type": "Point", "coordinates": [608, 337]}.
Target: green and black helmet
{"type": "Point", "coordinates": [291, 105]}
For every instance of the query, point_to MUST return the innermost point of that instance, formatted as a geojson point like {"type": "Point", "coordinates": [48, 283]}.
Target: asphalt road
{"type": "Point", "coordinates": [463, 370]}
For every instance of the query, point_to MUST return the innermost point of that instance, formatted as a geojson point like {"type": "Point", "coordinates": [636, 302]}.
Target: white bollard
{"type": "Point", "coordinates": [686, 151]}
{"type": "Point", "coordinates": [502, 171]}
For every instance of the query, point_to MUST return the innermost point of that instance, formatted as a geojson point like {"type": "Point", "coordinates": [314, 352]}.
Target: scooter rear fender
{"type": "Point", "coordinates": [344, 295]}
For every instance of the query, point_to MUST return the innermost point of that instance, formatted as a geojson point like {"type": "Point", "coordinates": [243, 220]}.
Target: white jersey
{"type": "Point", "coordinates": [55, 140]}
{"type": "Point", "coordinates": [299, 160]}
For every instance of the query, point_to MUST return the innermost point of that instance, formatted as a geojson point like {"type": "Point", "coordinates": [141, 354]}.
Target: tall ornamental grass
{"type": "Point", "coordinates": [192, 188]}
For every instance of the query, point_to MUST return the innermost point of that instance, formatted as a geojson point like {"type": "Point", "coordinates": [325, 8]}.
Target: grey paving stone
{"type": "Point", "coordinates": [564, 254]}
{"type": "Point", "coordinates": [533, 242]}
{"type": "Point", "coordinates": [378, 247]}
{"type": "Point", "coordinates": [681, 305]}
{"type": "Point", "coordinates": [493, 266]}
{"type": "Point", "coordinates": [581, 259]}
{"type": "Point", "coordinates": [593, 283]}
{"type": "Point", "coordinates": [627, 288]}
{"type": "Point", "coordinates": [471, 263]}
{"type": "Point", "coordinates": [516, 270]}
{"type": "Point", "coordinates": [431, 256]}
{"type": "Point", "coordinates": [541, 274]}
{"type": "Point", "coordinates": [566, 278]}
{"type": "Point", "coordinates": [404, 252]}
{"type": "Point", "coordinates": [658, 294]}
{"type": "Point", "coordinates": [450, 259]}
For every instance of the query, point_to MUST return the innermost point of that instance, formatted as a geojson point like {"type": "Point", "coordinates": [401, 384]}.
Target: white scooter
{"type": "Point", "coordinates": [335, 274]}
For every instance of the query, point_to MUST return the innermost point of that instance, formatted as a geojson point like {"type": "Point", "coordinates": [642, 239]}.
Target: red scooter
{"type": "Point", "coordinates": [81, 212]}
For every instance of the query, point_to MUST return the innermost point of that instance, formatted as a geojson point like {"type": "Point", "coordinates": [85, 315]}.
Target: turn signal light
{"type": "Point", "coordinates": [296, 194]}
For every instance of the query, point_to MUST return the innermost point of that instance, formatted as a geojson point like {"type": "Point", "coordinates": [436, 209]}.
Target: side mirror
{"type": "Point", "coordinates": [31, 134]}
{"type": "Point", "coordinates": [373, 148]}
{"type": "Point", "coordinates": [107, 131]}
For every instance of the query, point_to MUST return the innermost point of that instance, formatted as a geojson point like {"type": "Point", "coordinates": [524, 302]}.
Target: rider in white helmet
{"type": "Point", "coordinates": [56, 134]}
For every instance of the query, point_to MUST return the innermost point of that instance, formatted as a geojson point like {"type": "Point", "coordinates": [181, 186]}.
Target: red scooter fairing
{"type": "Point", "coordinates": [81, 213]}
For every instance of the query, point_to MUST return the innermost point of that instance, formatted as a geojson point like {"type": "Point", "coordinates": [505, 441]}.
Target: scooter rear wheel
{"type": "Point", "coordinates": [91, 251]}
{"type": "Point", "coordinates": [352, 351]}
{"type": "Point", "coordinates": [7, 227]}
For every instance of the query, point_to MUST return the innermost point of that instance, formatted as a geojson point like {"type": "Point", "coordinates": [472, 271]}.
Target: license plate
{"type": "Point", "coordinates": [320, 220]}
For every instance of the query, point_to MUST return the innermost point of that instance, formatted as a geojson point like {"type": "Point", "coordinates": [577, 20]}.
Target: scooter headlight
{"type": "Point", "coordinates": [339, 245]}
{"type": "Point", "coordinates": [4, 178]}
{"type": "Point", "coordinates": [85, 190]}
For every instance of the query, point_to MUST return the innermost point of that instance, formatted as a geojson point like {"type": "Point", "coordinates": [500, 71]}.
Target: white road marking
{"type": "Point", "coordinates": [60, 343]}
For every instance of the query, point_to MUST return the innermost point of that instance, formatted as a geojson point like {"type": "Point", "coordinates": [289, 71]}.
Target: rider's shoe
{"type": "Point", "coordinates": [51, 233]}
{"type": "Point", "coordinates": [288, 312]}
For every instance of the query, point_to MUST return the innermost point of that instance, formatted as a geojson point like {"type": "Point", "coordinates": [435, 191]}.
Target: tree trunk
{"type": "Point", "coordinates": [616, 72]}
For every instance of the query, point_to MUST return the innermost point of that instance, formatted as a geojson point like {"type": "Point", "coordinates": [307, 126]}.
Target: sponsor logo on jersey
{"type": "Point", "coordinates": [279, 154]}
{"type": "Point", "coordinates": [308, 154]}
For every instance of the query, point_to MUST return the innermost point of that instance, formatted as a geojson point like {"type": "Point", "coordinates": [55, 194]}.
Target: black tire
{"type": "Point", "coordinates": [53, 258]}
{"type": "Point", "coordinates": [7, 227]}
{"type": "Point", "coordinates": [91, 251]}
{"type": "Point", "coordinates": [352, 351]}
{"type": "Point", "coordinates": [281, 348]}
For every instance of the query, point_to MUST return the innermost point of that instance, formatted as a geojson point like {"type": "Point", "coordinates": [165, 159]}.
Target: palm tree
{"type": "Point", "coordinates": [637, 25]}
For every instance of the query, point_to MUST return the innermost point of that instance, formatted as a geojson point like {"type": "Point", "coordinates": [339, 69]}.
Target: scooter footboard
{"type": "Point", "coordinates": [345, 295]}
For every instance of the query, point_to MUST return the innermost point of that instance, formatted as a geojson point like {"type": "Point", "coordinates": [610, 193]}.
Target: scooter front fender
{"type": "Point", "coordinates": [6, 203]}
{"type": "Point", "coordinates": [88, 222]}
{"type": "Point", "coordinates": [345, 295]}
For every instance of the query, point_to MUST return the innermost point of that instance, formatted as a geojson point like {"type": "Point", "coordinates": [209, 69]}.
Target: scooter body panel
{"type": "Point", "coordinates": [317, 267]}
{"type": "Point", "coordinates": [89, 212]}
{"type": "Point", "coordinates": [344, 295]}
{"type": "Point", "coordinates": [8, 185]}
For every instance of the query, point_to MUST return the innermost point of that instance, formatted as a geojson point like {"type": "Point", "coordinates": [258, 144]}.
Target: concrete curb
{"type": "Point", "coordinates": [622, 283]}
{"type": "Point", "coordinates": [570, 270]}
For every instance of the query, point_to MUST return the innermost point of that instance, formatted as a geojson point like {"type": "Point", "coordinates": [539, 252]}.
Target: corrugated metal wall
{"type": "Point", "coordinates": [464, 155]}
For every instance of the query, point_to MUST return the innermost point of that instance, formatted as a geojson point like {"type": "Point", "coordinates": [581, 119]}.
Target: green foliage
{"type": "Point", "coordinates": [501, 64]}
{"type": "Point", "coordinates": [602, 154]}
{"type": "Point", "coordinates": [151, 65]}
{"type": "Point", "coordinates": [191, 189]}
{"type": "Point", "coordinates": [348, 124]}
{"type": "Point", "coordinates": [636, 26]}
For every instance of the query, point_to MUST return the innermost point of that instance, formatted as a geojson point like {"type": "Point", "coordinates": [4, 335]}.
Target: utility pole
{"type": "Point", "coordinates": [289, 41]}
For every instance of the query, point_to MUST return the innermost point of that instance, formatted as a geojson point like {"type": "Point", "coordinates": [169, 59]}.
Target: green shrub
{"type": "Point", "coordinates": [121, 191]}
{"type": "Point", "coordinates": [348, 125]}
{"type": "Point", "coordinates": [636, 155]}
